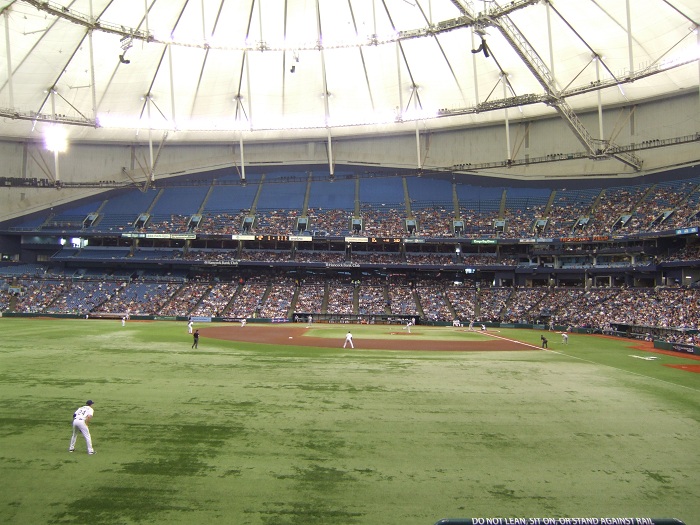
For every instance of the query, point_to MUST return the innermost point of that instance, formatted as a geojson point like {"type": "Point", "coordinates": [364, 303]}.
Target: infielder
{"type": "Point", "coordinates": [81, 418]}
{"type": "Point", "coordinates": [565, 338]}
{"type": "Point", "coordinates": [348, 340]}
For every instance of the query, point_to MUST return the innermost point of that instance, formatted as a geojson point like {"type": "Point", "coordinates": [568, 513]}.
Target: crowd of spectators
{"type": "Point", "coordinates": [478, 223]}
{"type": "Point", "coordinates": [401, 297]}
{"type": "Point", "coordinates": [462, 297]}
{"type": "Point", "coordinates": [383, 221]}
{"type": "Point", "coordinates": [492, 301]}
{"type": "Point", "coordinates": [324, 223]}
{"type": "Point", "coordinates": [77, 296]}
{"type": "Point", "coordinates": [649, 207]}
{"type": "Point", "coordinates": [319, 256]}
{"type": "Point", "coordinates": [312, 292]}
{"type": "Point", "coordinates": [441, 300]}
{"type": "Point", "coordinates": [430, 258]}
{"type": "Point", "coordinates": [211, 256]}
{"type": "Point", "coordinates": [520, 221]}
{"type": "Point", "coordinates": [139, 297]}
{"type": "Point", "coordinates": [689, 252]}
{"type": "Point", "coordinates": [613, 204]}
{"type": "Point", "coordinates": [222, 223]}
{"type": "Point", "coordinates": [521, 302]}
{"type": "Point", "coordinates": [566, 209]}
{"type": "Point", "coordinates": [185, 299]}
{"type": "Point", "coordinates": [372, 297]}
{"type": "Point", "coordinates": [173, 223]}
{"type": "Point", "coordinates": [663, 198]}
{"type": "Point", "coordinates": [377, 257]}
{"type": "Point", "coordinates": [276, 222]}
{"type": "Point", "coordinates": [434, 221]}
{"type": "Point", "coordinates": [249, 299]}
{"type": "Point", "coordinates": [216, 301]}
{"type": "Point", "coordinates": [341, 296]}
{"type": "Point", "coordinates": [433, 303]}
{"type": "Point", "coordinates": [265, 255]}
{"type": "Point", "coordinates": [279, 299]}
{"type": "Point", "coordinates": [40, 294]}
{"type": "Point", "coordinates": [603, 309]}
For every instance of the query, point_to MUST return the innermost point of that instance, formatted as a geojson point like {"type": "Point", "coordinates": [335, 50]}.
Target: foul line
{"type": "Point", "coordinates": [591, 362]}
{"type": "Point", "coordinates": [512, 340]}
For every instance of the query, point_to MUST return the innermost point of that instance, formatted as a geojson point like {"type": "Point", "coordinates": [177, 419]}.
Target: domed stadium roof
{"type": "Point", "coordinates": [274, 69]}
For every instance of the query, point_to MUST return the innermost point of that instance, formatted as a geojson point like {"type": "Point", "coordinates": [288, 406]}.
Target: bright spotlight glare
{"type": "Point", "coordinates": [56, 139]}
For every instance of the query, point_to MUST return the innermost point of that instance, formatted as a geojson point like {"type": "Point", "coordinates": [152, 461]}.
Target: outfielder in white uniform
{"type": "Point", "coordinates": [189, 327]}
{"type": "Point", "coordinates": [81, 418]}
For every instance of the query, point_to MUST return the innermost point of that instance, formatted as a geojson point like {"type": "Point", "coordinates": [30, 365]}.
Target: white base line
{"type": "Point", "coordinates": [513, 341]}
{"type": "Point", "coordinates": [593, 362]}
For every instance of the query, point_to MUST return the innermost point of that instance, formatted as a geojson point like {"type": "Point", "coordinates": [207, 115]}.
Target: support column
{"type": "Point", "coordinates": [551, 47]}
{"type": "Point", "coordinates": [474, 71]}
{"type": "Point", "coordinates": [240, 143]}
{"type": "Point", "coordinates": [151, 170]}
{"type": "Point", "coordinates": [56, 167]}
{"type": "Point", "coordinates": [601, 135]}
{"type": "Point", "coordinates": [330, 153]}
{"type": "Point", "coordinates": [507, 123]}
{"type": "Point", "coordinates": [419, 163]}
{"type": "Point", "coordinates": [8, 57]}
{"type": "Point", "coordinates": [93, 86]}
{"type": "Point", "coordinates": [172, 86]}
{"type": "Point", "coordinates": [57, 171]}
{"type": "Point", "coordinates": [629, 35]}
{"type": "Point", "coordinates": [398, 73]}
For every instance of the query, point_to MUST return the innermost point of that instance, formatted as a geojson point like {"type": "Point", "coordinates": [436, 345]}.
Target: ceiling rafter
{"type": "Point", "coordinates": [358, 28]}
{"type": "Point", "coordinates": [444, 55]}
{"type": "Point", "coordinates": [402, 51]}
{"type": "Point", "coordinates": [362, 58]}
{"type": "Point", "coordinates": [97, 24]}
{"type": "Point", "coordinates": [508, 102]}
{"type": "Point", "coordinates": [532, 60]}
{"type": "Point", "coordinates": [204, 60]}
{"type": "Point", "coordinates": [244, 63]}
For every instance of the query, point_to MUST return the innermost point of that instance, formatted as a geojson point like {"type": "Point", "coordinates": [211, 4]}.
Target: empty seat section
{"type": "Point", "coordinates": [331, 205]}
{"type": "Point", "coordinates": [429, 190]}
{"type": "Point", "coordinates": [120, 211]}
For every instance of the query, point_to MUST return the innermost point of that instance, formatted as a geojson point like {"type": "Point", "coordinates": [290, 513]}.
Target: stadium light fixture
{"type": "Point", "coordinates": [56, 139]}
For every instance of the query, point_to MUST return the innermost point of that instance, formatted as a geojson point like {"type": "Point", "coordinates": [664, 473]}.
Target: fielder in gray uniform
{"type": "Point", "coordinates": [81, 418]}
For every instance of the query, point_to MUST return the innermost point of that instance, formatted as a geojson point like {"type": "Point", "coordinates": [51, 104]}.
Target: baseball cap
{"type": "Point", "coordinates": [89, 402]}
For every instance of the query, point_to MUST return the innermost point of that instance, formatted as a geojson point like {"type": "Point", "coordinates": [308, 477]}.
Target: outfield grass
{"type": "Point", "coordinates": [256, 434]}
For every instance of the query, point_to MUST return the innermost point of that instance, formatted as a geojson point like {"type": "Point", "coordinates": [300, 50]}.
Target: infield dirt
{"type": "Point", "coordinates": [281, 334]}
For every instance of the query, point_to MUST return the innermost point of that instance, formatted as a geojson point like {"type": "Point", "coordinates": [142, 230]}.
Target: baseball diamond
{"type": "Point", "coordinates": [350, 262]}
